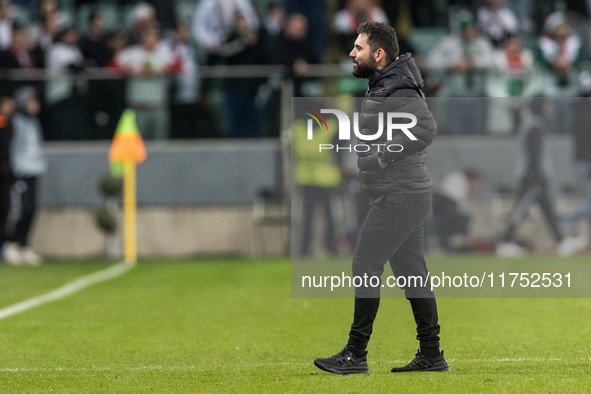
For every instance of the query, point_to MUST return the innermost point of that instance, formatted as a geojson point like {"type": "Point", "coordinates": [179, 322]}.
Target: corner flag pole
{"type": "Point", "coordinates": [129, 211]}
{"type": "Point", "coordinates": [127, 150]}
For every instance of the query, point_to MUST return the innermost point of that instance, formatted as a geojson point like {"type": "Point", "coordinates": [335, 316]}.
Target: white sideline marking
{"type": "Point", "coordinates": [261, 365]}
{"type": "Point", "coordinates": [67, 289]}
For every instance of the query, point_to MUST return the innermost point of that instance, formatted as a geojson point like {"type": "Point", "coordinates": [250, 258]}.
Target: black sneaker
{"type": "Point", "coordinates": [343, 363]}
{"type": "Point", "coordinates": [422, 363]}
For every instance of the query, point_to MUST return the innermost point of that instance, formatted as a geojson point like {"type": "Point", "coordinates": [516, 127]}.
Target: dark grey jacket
{"type": "Point", "coordinates": [396, 88]}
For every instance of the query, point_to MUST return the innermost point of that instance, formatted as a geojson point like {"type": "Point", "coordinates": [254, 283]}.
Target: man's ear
{"type": "Point", "coordinates": [379, 55]}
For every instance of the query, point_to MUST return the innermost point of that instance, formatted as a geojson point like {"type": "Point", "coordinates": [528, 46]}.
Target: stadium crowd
{"type": "Point", "coordinates": [149, 55]}
{"type": "Point", "coordinates": [86, 64]}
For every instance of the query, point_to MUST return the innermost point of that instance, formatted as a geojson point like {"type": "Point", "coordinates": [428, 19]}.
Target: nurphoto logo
{"type": "Point", "coordinates": [391, 119]}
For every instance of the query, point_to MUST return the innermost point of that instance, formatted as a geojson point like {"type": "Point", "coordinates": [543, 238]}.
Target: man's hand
{"type": "Point", "coordinates": [382, 164]}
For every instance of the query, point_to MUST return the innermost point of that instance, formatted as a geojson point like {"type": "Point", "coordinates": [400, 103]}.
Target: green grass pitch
{"type": "Point", "coordinates": [223, 325]}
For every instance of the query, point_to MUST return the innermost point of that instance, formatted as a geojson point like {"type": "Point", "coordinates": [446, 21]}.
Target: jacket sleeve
{"type": "Point", "coordinates": [414, 139]}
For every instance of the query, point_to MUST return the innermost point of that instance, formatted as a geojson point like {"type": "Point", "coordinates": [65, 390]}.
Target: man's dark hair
{"type": "Point", "coordinates": [380, 35]}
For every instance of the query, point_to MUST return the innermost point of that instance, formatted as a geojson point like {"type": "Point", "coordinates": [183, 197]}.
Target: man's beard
{"type": "Point", "coordinates": [365, 69]}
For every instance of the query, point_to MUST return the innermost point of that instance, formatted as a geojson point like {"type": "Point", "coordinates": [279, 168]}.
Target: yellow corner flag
{"type": "Point", "coordinates": [127, 150]}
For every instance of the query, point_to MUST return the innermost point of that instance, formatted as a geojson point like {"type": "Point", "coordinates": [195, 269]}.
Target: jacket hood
{"type": "Point", "coordinates": [403, 67]}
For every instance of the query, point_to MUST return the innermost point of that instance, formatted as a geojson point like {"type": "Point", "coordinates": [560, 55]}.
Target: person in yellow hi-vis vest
{"type": "Point", "coordinates": [317, 175]}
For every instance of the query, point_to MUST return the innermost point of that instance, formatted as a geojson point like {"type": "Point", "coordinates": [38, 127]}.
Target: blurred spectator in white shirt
{"type": "Point", "coordinates": [560, 52]}
{"type": "Point", "coordinates": [515, 76]}
{"type": "Point", "coordinates": [64, 62]}
{"type": "Point", "coordinates": [213, 22]}
{"type": "Point", "coordinates": [464, 61]}
{"type": "Point", "coordinates": [6, 22]}
{"type": "Point", "coordinates": [497, 22]}
{"type": "Point", "coordinates": [63, 57]}
{"type": "Point", "coordinates": [143, 18]}
{"type": "Point", "coordinates": [514, 65]}
{"type": "Point", "coordinates": [43, 29]}
{"type": "Point", "coordinates": [466, 56]}
{"type": "Point", "coordinates": [147, 92]}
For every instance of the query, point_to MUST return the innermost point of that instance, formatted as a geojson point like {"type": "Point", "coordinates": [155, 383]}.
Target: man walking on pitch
{"type": "Point", "coordinates": [398, 184]}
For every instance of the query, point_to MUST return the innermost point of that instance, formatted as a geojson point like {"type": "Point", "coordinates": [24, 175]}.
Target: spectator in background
{"type": "Point", "coordinates": [352, 15]}
{"type": "Point", "coordinates": [165, 11]}
{"type": "Point", "coordinates": [106, 97]}
{"type": "Point", "coordinates": [143, 19]}
{"type": "Point", "coordinates": [579, 15]}
{"type": "Point", "coordinates": [534, 168]}
{"type": "Point", "coordinates": [423, 13]}
{"type": "Point", "coordinates": [161, 12]}
{"type": "Point", "coordinates": [497, 22]}
{"type": "Point", "coordinates": [268, 100]}
{"type": "Point", "coordinates": [273, 23]}
{"type": "Point", "coordinates": [561, 53]}
{"type": "Point", "coordinates": [514, 76]}
{"type": "Point", "coordinates": [450, 217]}
{"type": "Point", "coordinates": [315, 13]}
{"type": "Point", "coordinates": [6, 177]}
{"type": "Point", "coordinates": [214, 21]}
{"type": "Point", "coordinates": [66, 112]}
{"type": "Point", "coordinates": [467, 56]}
{"type": "Point", "coordinates": [28, 163]}
{"type": "Point", "coordinates": [94, 44]}
{"type": "Point", "coordinates": [317, 176]}
{"type": "Point", "coordinates": [241, 48]}
{"type": "Point", "coordinates": [116, 42]}
{"type": "Point", "coordinates": [582, 158]}
{"type": "Point", "coordinates": [17, 54]}
{"type": "Point", "coordinates": [515, 66]}
{"type": "Point", "coordinates": [6, 23]}
{"type": "Point", "coordinates": [292, 49]}
{"type": "Point", "coordinates": [27, 6]}
{"type": "Point", "coordinates": [464, 59]}
{"type": "Point", "coordinates": [148, 64]}
{"type": "Point", "coordinates": [44, 28]}
{"type": "Point", "coordinates": [184, 110]}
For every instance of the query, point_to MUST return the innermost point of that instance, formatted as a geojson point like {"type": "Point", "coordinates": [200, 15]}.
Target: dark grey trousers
{"type": "Point", "coordinates": [393, 231]}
